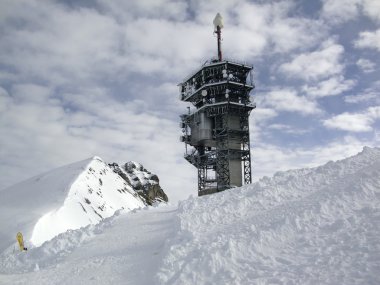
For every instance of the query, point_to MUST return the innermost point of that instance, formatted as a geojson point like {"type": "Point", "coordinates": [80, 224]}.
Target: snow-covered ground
{"type": "Point", "coordinates": [124, 249]}
{"type": "Point", "coordinates": [69, 197]}
{"type": "Point", "coordinates": [307, 226]}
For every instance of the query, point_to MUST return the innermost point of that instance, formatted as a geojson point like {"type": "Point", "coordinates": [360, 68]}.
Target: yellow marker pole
{"type": "Point", "coordinates": [20, 240]}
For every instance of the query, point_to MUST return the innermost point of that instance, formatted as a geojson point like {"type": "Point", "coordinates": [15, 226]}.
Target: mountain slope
{"type": "Point", "coordinates": [145, 183]}
{"type": "Point", "coordinates": [123, 249]}
{"type": "Point", "coordinates": [307, 226]}
{"type": "Point", "coordinates": [69, 197]}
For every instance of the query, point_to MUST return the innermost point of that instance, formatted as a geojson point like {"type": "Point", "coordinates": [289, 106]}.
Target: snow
{"type": "Point", "coordinates": [138, 174]}
{"type": "Point", "coordinates": [69, 197]}
{"type": "Point", "coordinates": [306, 226]}
{"type": "Point", "coordinates": [309, 226]}
{"type": "Point", "coordinates": [123, 249]}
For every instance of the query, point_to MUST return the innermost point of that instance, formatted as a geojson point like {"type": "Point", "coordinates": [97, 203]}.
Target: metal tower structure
{"type": "Point", "coordinates": [216, 133]}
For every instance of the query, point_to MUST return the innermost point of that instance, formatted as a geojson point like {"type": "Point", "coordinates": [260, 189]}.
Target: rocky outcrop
{"type": "Point", "coordinates": [145, 183]}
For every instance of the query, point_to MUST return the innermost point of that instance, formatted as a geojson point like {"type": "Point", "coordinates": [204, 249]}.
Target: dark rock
{"type": "Point", "coordinates": [145, 183]}
{"type": "Point", "coordinates": [154, 193]}
{"type": "Point", "coordinates": [154, 177]}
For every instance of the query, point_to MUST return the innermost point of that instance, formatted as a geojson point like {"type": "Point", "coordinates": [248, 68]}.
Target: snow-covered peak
{"type": "Point", "coordinates": [96, 193]}
{"type": "Point", "coordinates": [142, 181]}
{"type": "Point", "coordinates": [68, 197]}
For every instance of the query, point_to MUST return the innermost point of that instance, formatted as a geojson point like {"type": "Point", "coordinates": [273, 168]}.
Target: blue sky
{"type": "Point", "coordinates": [85, 78]}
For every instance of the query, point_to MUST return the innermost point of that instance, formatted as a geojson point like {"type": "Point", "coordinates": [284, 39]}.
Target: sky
{"type": "Point", "coordinates": [99, 78]}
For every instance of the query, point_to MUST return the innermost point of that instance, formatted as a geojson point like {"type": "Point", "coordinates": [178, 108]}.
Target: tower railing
{"type": "Point", "coordinates": [216, 133]}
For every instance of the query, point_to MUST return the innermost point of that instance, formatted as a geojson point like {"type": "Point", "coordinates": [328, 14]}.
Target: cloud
{"type": "Point", "coordinates": [39, 132]}
{"type": "Point", "coordinates": [368, 39]}
{"type": "Point", "coordinates": [330, 87]}
{"type": "Point", "coordinates": [282, 30]}
{"type": "Point", "coordinates": [5, 100]}
{"type": "Point", "coordinates": [366, 65]}
{"type": "Point", "coordinates": [82, 78]}
{"type": "Point", "coordinates": [114, 40]}
{"type": "Point", "coordinates": [258, 121]}
{"type": "Point", "coordinates": [259, 27]}
{"type": "Point", "coordinates": [288, 129]}
{"type": "Point", "coordinates": [354, 122]}
{"type": "Point", "coordinates": [263, 114]}
{"type": "Point", "coordinates": [340, 11]}
{"type": "Point", "coordinates": [360, 98]}
{"type": "Point", "coordinates": [158, 9]}
{"type": "Point", "coordinates": [369, 95]}
{"type": "Point", "coordinates": [316, 65]}
{"type": "Point", "coordinates": [58, 45]}
{"type": "Point", "coordinates": [371, 8]}
{"type": "Point", "coordinates": [287, 100]}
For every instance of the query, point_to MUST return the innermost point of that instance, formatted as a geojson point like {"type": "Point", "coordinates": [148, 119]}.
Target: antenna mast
{"type": "Point", "coordinates": [218, 25]}
{"type": "Point", "coordinates": [216, 131]}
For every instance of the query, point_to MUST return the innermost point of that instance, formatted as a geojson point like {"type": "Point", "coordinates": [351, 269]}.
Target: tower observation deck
{"type": "Point", "coordinates": [216, 133]}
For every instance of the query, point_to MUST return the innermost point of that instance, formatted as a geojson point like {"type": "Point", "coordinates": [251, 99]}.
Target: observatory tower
{"type": "Point", "coordinates": [216, 131]}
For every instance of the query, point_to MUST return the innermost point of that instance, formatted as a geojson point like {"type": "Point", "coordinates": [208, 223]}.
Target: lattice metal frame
{"type": "Point", "coordinates": [246, 149]}
{"type": "Point", "coordinates": [213, 162]}
{"type": "Point", "coordinates": [222, 152]}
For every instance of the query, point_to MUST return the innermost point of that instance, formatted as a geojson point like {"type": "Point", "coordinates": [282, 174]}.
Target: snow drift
{"type": "Point", "coordinates": [307, 226]}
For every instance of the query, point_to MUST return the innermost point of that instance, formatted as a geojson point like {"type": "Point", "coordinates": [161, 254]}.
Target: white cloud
{"type": "Point", "coordinates": [330, 87]}
{"type": "Point", "coordinates": [5, 100]}
{"type": "Point", "coordinates": [288, 129]}
{"type": "Point", "coordinates": [371, 8]}
{"type": "Point", "coordinates": [130, 42]}
{"type": "Point", "coordinates": [350, 122]}
{"type": "Point", "coordinates": [368, 39]}
{"type": "Point", "coordinates": [316, 65]}
{"type": "Point", "coordinates": [287, 100]}
{"type": "Point", "coordinates": [337, 12]}
{"type": "Point", "coordinates": [366, 65]}
{"type": "Point", "coordinates": [60, 45]}
{"type": "Point", "coordinates": [130, 10]}
{"type": "Point", "coordinates": [259, 27]}
{"type": "Point", "coordinates": [37, 135]}
{"type": "Point", "coordinates": [340, 11]}
{"type": "Point", "coordinates": [354, 122]}
{"type": "Point", "coordinates": [283, 32]}
{"type": "Point", "coordinates": [258, 120]}
{"type": "Point", "coordinates": [84, 79]}
{"type": "Point", "coordinates": [369, 95]}
{"type": "Point", "coordinates": [31, 92]}
{"type": "Point", "coordinates": [263, 114]}
{"type": "Point", "coordinates": [360, 98]}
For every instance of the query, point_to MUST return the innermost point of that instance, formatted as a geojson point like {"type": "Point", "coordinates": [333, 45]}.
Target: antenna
{"type": "Point", "coordinates": [216, 129]}
{"type": "Point", "coordinates": [218, 25]}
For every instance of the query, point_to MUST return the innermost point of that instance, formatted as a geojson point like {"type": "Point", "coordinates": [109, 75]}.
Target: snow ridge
{"type": "Point", "coordinates": [69, 197]}
{"type": "Point", "coordinates": [145, 183]}
{"type": "Point", "coordinates": [96, 193]}
{"type": "Point", "coordinates": [307, 226]}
